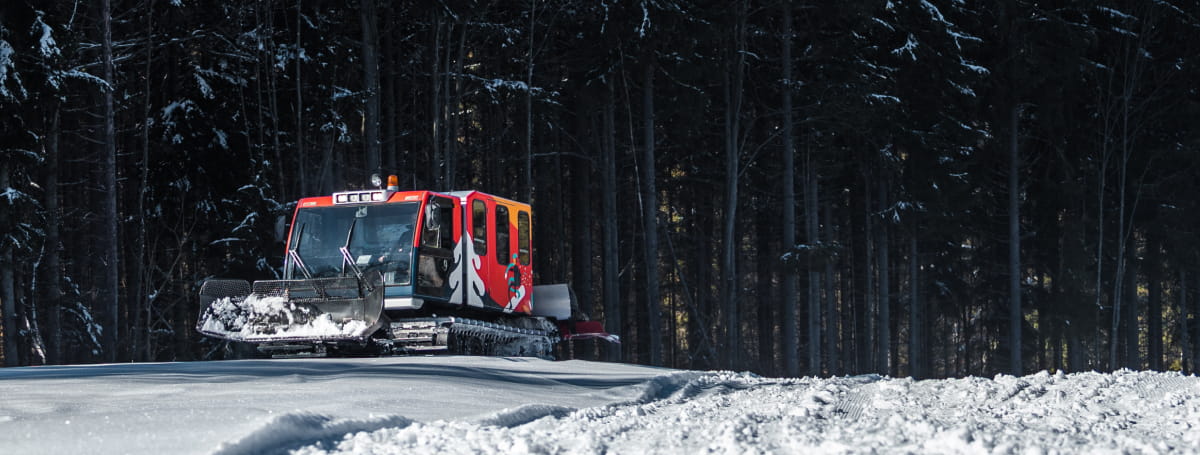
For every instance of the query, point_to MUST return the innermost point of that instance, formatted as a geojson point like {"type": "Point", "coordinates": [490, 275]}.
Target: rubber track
{"type": "Point", "coordinates": [473, 337]}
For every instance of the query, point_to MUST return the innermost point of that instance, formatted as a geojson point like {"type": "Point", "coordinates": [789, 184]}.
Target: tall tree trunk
{"type": "Point", "coordinates": [787, 290]}
{"type": "Point", "coordinates": [832, 319]}
{"type": "Point", "coordinates": [729, 286]}
{"type": "Point", "coordinates": [650, 216]}
{"type": "Point", "coordinates": [391, 99]}
{"type": "Point", "coordinates": [140, 301]}
{"type": "Point", "coordinates": [1131, 327]}
{"type": "Point", "coordinates": [1100, 240]}
{"type": "Point", "coordinates": [454, 132]}
{"type": "Point", "coordinates": [437, 163]}
{"type": "Point", "coordinates": [528, 180]}
{"type": "Point", "coordinates": [109, 292]}
{"type": "Point", "coordinates": [7, 291]}
{"type": "Point", "coordinates": [1154, 328]}
{"type": "Point", "coordinates": [302, 170]}
{"type": "Point", "coordinates": [916, 321]}
{"type": "Point", "coordinates": [1185, 329]}
{"type": "Point", "coordinates": [273, 99]}
{"type": "Point", "coordinates": [701, 319]}
{"type": "Point", "coordinates": [1015, 315]}
{"type": "Point", "coordinates": [581, 217]}
{"type": "Point", "coordinates": [811, 228]}
{"type": "Point", "coordinates": [636, 316]}
{"type": "Point", "coordinates": [1075, 351]}
{"type": "Point", "coordinates": [370, 50]}
{"type": "Point", "coordinates": [765, 257]}
{"type": "Point", "coordinates": [870, 294]}
{"type": "Point", "coordinates": [53, 274]}
{"type": "Point", "coordinates": [612, 290]}
{"type": "Point", "coordinates": [260, 62]}
{"type": "Point", "coordinates": [1124, 229]}
{"type": "Point", "coordinates": [885, 301]}
{"type": "Point", "coordinates": [733, 108]}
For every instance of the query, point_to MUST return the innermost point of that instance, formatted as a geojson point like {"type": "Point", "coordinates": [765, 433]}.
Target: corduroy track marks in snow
{"type": "Point", "coordinates": [1122, 412]}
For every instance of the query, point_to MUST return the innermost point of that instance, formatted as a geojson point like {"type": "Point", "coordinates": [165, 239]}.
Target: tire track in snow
{"type": "Point", "coordinates": [857, 399]}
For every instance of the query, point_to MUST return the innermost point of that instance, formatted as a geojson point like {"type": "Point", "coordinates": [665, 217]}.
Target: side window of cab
{"type": "Point", "coordinates": [479, 227]}
{"type": "Point", "coordinates": [503, 248]}
{"type": "Point", "coordinates": [523, 235]}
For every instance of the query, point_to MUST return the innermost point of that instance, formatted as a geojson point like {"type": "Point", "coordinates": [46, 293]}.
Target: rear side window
{"type": "Point", "coordinates": [523, 237]}
{"type": "Point", "coordinates": [502, 245]}
{"type": "Point", "coordinates": [479, 227]}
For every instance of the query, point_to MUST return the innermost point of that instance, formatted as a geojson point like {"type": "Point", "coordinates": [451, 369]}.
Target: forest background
{"type": "Point", "coordinates": [930, 188]}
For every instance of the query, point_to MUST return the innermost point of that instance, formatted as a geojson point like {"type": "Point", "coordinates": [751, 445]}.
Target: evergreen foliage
{"type": "Point", "coordinates": [904, 116]}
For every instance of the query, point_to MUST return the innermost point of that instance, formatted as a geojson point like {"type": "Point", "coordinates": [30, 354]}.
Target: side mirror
{"type": "Point", "coordinates": [432, 219]}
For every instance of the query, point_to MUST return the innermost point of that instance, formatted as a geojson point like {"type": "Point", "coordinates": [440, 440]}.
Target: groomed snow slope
{"type": "Point", "coordinates": [472, 405]}
{"type": "Point", "coordinates": [197, 407]}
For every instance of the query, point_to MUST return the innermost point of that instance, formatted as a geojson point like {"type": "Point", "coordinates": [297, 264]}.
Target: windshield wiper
{"type": "Point", "coordinates": [346, 259]}
{"type": "Point", "coordinates": [296, 256]}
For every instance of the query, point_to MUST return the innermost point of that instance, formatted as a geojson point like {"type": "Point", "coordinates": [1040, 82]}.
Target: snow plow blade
{"type": "Point", "coordinates": [298, 311]}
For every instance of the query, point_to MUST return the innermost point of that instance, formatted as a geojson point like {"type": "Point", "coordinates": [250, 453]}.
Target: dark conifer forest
{"type": "Point", "coordinates": [927, 188]}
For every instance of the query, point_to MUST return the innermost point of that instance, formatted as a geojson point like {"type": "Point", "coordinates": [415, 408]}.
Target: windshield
{"type": "Point", "coordinates": [381, 238]}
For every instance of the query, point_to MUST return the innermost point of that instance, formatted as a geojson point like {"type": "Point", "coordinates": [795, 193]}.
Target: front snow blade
{"type": "Point", "coordinates": [316, 310]}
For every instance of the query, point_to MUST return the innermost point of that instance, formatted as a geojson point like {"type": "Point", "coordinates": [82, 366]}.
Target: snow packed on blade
{"type": "Point", "coordinates": [240, 317]}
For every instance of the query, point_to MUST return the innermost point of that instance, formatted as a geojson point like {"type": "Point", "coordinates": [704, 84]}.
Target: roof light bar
{"type": "Point", "coordinates": [358, 197]}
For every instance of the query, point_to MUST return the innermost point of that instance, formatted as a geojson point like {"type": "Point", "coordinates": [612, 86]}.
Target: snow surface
{"type": "Point", "coordinates": [247, 406]}
{"type": "Point", "coordinates": [515, 405]}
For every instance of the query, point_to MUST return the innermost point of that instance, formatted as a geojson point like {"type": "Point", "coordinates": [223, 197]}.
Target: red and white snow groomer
{"type": "Point", "coordinates": [393, 271]}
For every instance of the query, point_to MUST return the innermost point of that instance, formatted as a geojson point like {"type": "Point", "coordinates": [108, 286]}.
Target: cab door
{"type": "Point", "coordinates": [435, 252]}
{"type": "Point", "coordinates": [479, 209]}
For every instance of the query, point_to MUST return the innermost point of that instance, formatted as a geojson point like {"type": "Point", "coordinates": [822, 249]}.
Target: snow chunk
{"type": "Point", "coordinates": [883, 23]}
{"type": "Point", "coordinates": [205, 90]}
{"type": "Point", "coordinates": [46, 44]}
{"type": "Point", "coordinates": [909, 45]}
{"type": "Point", "coordinates": [168, 113]}
{"type": "Point", "coordinates": [1116, 13]}
{"type": "Point", "coordinates": [963, 89]}
{"type": "Point", "coordinates": [495, 84]}
{"type": "Point", "coordinates": [973, 67]}
{"type": "Point", "coordinates": [12, 194]}
{"type": "Point", "coordinates": [883, 98]}
{"type": "Point", "coordinates": [222, 138]}
{"type": "Point", "coordinates": [84, 76]}
{"type": "Point", "coordinates": [7, 67]}
{"type": "Point", "coordinates": [934, 12]}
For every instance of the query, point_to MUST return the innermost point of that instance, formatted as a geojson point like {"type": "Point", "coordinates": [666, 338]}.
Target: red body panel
{"type": "Point", "coordinates": [500, 276]}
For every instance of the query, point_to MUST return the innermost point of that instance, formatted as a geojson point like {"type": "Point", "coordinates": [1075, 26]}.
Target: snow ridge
{"type": "Point", "coordinates": [290, 431]}
{"type": "Point", "coordinates": [521, 415]}
{"type": "Point", "coordinates": [725, 412]}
